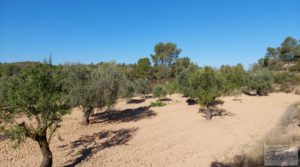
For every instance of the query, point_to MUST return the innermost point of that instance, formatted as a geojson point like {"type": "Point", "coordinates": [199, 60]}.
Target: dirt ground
{"type": "Point", "coordinates": [173, 135]}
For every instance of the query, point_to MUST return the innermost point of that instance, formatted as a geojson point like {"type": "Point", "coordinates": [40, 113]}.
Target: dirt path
{"type": "Point", "coordinates": [174, 135]}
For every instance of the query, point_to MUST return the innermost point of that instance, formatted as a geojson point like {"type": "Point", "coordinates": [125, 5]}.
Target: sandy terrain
{"type": "Point", "coordinates": [173, 135]}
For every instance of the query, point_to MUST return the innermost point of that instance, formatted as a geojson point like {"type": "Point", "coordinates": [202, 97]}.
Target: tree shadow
{"type": "Point", "coordinates": [191, 101]}
{"type": "Point", "coordinates": [255, 94]}
{"type": "Point", "coordinates": [96, 142]}
{"type": "Point", "coordinates": [216, 112]}
{"type": "Point", "coordinates": [126, 115]}
{"type": "Point", "coordinates": [135, 101]}
{"type": "Point", "coordinates": [217, 102]}
{"type": "Point", "coordinates": [165, 99]}
{"type": "Point", "coordinates": [237, 99]}
{"type": "Point", "coordinates": [250, 93]}
{"type": "Point", "coordinates": [3, 137]}
{"type": "Point", "coordinates": [148, 96]}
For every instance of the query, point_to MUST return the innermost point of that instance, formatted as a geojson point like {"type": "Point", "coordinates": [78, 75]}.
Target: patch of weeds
{"type": "Point", "coordinates": [157, 104]}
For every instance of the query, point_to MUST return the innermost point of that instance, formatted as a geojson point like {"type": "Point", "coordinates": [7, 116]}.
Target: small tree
{"type": "Point", "coordinates": [171, 88]}
{"type": "Point", "coordinates": [143, 87]}
{"type": "Point", "coordinates": [128, 90]}
{"type": "Point", "coordinates": [260, 80]}
{"type": "Point", "coordinates": [159, 91]}
{"type": "Point", "coordinates": [206, 86]}
{"type": "Point", "coordinates": [183, 83]}
{"type": "Point", "coordinates": [143, 68]}
{"type": "Point", "coordinates": [36, 94]}
{"type": "Point", "coordinates": [233, 78]}
{"type": "Point", "coordinates": [92, 88]}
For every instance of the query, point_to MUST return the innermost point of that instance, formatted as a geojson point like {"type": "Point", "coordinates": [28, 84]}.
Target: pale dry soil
{"type": "Point", "coordinates": [173, 135]}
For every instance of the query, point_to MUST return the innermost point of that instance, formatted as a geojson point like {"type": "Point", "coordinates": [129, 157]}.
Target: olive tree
{"type": "Point", "coordinates": [183, 83]}
{"type": "Point", "coordinates": [206, 85]}
{"type": "Point", "coordinates": [143, 87]}
{"type": "Point", "coordinates": [233, 78]}
{"type": "Point", "coordinates": [128, 90]}
{"type": "Point", "coordinates": [260, 80]}
{"type": "Point", "coordinates": [159, 91]}
{"type": "Point", "coordinates": [36, 95]}
{"type": "Point", "coordinates": [91, 88]}
{"type": "Point", "coordinates": [171, 88]}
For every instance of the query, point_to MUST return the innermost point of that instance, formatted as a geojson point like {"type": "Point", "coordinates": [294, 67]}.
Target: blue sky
{"type": "Point", "coordinates": [210, 32]}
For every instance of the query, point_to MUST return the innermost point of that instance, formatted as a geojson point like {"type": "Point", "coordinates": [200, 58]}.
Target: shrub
{"type": "Point", "coordinates": [157, 104]}
{"type": "Point", "coordinates": [260, 80]}
{"type": "Point", "coordinates": [286, 80]}
{"type": "Point", "coordinates": [233, 78]}
{"type": "Point", "coordinates": [159, 91]}
{"type": "Point", "coordinates": [143, 87]}
{"type": "Point", "coordinates": [171, 88]}
{"type": "Point", "coordinates": [183, 80]}
{"type": "Point", "coordinates": [128, 90]}
{"type": "Point", "coordinates": [206, 85]}
{"type": "Point", "coordinates": [295, 67]}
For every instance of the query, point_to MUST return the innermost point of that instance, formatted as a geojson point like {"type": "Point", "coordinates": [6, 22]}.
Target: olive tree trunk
{"type": "Point", "coordinates": [259, 92]}
{"type": "Point", "coordinates": [47, 154]}
{"type": "Point", "coordinates": [86, 116]}
{"type": "Point", "coordinates": [208, 113]}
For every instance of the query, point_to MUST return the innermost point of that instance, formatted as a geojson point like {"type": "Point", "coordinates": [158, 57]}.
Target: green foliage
{"type": "Point", "coordinates": [286, 80]}
{"type": "Point", "coordinates": [260, 80]}
{"type": "Point", "coordinates": [143, 68]}
{"type": "Point", "coordinates": [183, 80]}
{"type": "Point", "coordinates": [159, 91]}
{"type": "Point", "coordinates": [165, 54]}
{"type": "Point", "coordinates": [157, 104]}
{"type": "Point", "coordinates": [233, 78]}
{"type": "Point", "coordinates": [92, 87]}
{"type": "Point", "coordinates": [10, 69]}
{"type": "Point", "coordinates": [171, 88]}
{"type": "Point", "coordinates": [129, 90]}
{"type": "Point", "coordinates": [36, 93]}
{"type": "Point", "coordinates": [276, 58]}
{"type": "Point", "coordinates": [162, 73]}
{"type": "Point", "coordinates": [180, 65]}
{"type": "Point", "coordinates": [288, 49]}
{"type": "Point", "coordinates": [206, 85]}
{"type": "Point", "coordinates": [296, 67]}
{"type": "Point", "coordinates": [143, 87]}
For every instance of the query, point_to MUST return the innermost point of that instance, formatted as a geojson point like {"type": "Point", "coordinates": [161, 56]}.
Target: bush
{"type": "Point", "coordinates": [206, 85]}
{"type": "Point", "coordinates": [157, 104]}
{"type": "Point", "coordinates": [286, 80]}
{"type": "Point", "coordinates": [171, 88]}
{"type": "Point", "coordinates": [183, 80]}
{"type": "Point", "coordinates": [128, 90]}
{"type": "Point", "coordinates": [260, 81]}
{"type": "Point", "coordinates": [143, 87]}
{"type": "Point", "coordinates": [159, 91]}
{"type": "Point", "coordinates": [295, 67]}
{"type": "Point", "coordinates": [233, 78]}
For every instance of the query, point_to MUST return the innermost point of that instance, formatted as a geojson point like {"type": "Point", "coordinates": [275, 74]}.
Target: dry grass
{"type": "Point", "coordinates": [285, 133]}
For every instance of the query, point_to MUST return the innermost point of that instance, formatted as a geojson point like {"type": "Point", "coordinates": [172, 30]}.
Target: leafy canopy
{"type": "Point", "coordinates": [36, 93]}
{"type": "Point", "coordinates": [165, 54]}
{"type": "Point", "coordinates": [206, 85]}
